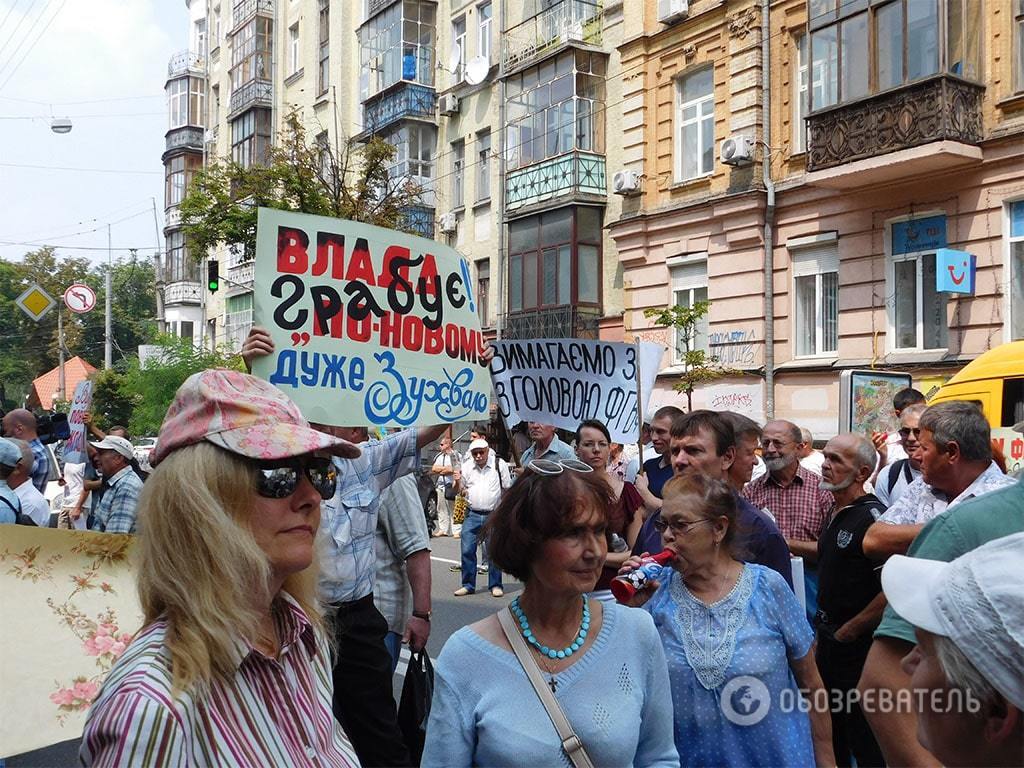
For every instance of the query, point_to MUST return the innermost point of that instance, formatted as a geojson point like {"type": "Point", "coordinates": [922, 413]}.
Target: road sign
{"type": "Point", "coordinates": [35, 302]}
{"type": "Point", "coordinates": [80, 298]}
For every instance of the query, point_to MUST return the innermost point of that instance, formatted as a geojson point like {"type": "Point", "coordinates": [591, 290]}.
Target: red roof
{"type": "Point", "coordinates": [45, 387]}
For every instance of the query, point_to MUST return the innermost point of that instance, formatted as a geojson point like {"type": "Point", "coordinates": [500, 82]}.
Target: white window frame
{"type": "Point", "coordinates": [458, 173]}
{"type": "Point", "coordinates": [801, 96]}
{"type": "Point", "coordinates": [682, 125]}
{"type": "Point", "coordinates": [814, 256]}
{"type": "Point", "coordinates": [688, 274]}
{"type": "Point", "coordinates": [483, 166]}
{"type": "Point", "coordinates": [483, 41]}
{"type": "Point", "coordinates": [1008, 276]}
{"type": "Point", "coordinates": [1017, 64]}
{"type": "Point", "coordinates": [459, 41]}
{"type": "Point", "coordinates": [890, 289]}
{"type": "Point", "coordinates": [294, 51]}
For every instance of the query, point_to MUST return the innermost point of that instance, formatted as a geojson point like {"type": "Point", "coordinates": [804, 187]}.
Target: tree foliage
{"type": "Point", "coordinates": [698, 366]}
{"type": "Point", "coordinates": [348, 181]}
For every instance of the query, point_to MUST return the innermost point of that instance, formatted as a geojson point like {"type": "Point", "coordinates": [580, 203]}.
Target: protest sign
{"type": "Point", "coordinates": [370, 326]}
{"type": "Point", "coordinates": [70, 609]}
{"type": "Point", "coordinates": [565, 381]}
{"type": "Point", "coordinates": [74, 448]}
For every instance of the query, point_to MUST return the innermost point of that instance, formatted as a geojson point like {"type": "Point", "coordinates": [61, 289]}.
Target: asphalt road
{"type": "Point", "coordinates": [450, 614]}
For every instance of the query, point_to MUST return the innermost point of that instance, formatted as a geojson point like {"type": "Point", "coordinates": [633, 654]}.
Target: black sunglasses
{"type": "Point", "coordinates": [279, 479]}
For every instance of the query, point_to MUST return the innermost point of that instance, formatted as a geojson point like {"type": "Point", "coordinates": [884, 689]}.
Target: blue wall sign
{"type": "Point", "coordinates": [919, 235]}
{"type": "Point", "coordinates": [955, 271]}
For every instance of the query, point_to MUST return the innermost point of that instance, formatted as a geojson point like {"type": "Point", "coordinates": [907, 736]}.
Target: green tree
{"type": "Point", "coordinates": [111, 403]}
{"type": "Point", "coordinates": [350, 181]}
{"type": "Point", "coordinates": [698, 366]}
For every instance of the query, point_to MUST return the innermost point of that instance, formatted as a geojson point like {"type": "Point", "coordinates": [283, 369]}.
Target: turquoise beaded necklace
{"type": "Point", "coordinates": [552, 653]}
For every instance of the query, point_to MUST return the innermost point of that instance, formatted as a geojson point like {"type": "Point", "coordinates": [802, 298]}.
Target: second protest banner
{"type": "Point", "coordinates": [566, 381]}
{"type": "Point", "coordinates": [370, 326]}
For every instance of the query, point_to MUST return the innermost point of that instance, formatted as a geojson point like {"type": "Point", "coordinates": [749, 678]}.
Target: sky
{"type": "Point", "coordinates": [113, 55]}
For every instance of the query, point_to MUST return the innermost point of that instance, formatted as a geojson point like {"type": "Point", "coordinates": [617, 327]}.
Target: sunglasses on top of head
{"type": "Point", "coordinates": [279, 479]}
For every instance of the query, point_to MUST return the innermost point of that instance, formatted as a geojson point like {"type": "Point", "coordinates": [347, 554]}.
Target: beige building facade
{"type": "Point", "coordinates": [893, 130]}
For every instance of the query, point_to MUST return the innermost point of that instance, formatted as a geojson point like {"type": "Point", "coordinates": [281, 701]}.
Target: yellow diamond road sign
{"type": "Point", "coordinates": [35, 302]}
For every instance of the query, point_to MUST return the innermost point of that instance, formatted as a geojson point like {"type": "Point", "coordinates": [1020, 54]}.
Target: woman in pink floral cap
{"type": "Point", "coordinates": [232, 665]}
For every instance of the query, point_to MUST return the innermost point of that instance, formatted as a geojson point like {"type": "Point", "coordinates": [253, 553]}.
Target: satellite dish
{"type": "Point", "coordinates": [60, 125]}
{"type": "Point", "coordinates": [454, 58]}
{"type": "Point", "coordinates": [477, 69]}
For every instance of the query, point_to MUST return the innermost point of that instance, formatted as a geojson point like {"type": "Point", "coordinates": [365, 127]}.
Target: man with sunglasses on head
{"type": "Point", "coordinates": [363, 700]}
{"type": "Point", "coordinates": [484, 482]}
{"type": "Point", "coordinates": [894, 478]}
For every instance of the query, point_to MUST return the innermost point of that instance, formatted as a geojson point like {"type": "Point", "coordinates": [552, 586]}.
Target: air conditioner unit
{"type": "Point", "coordinates": [449, 104]}
{"type": "Point", "coordinates": [626, 183]}
{"type": "Point", "coordinates": [737, 150]}
{"type": "Point", "coordinates": [447, 222]}
{"type": "Point", "coordinates": [671, 11]}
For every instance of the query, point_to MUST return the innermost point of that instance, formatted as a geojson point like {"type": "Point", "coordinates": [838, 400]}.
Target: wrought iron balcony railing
{"type": "Point", "coordinates": [420, 220]}
{"type": "Point", "coordinates": [570, 21]}
{"type": "Point", "coordinates": [186, 137]}
{"type": "Point", "coordinates": [185, 62]}
{"type": "Point", "coordinates": [246, 9]}
{"type": "Point", "coordinates": [941, 107]}
{"type": "Point", "coordinates": [255, 93]}
{"type": "Point", "coordinates": [402, 101]}
{"type": "Point", "coordinates": [575, 173]}
{"type": "Point", "coordinates": [565, 322]}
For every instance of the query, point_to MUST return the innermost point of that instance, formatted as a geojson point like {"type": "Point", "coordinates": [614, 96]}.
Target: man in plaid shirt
{"type": "Point", "coordinates": [792, 495]}
{"type": "Point", "coordinates": [117, 509]}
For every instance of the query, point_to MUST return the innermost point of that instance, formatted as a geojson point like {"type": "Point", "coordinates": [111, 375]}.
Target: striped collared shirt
{"type": "Point", "coordinates": [273, 712]}
{"type": "Point", "coordinates": [118, 509]}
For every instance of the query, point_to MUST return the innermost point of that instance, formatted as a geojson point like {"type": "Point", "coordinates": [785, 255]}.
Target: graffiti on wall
{"type": "Point", "coordinates": [732, 347]}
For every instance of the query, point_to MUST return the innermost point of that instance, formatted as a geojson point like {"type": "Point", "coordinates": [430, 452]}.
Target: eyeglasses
{"type": "Point", "coordinates": [678, 528]}
{"type": "Point", "coordinates": [907, 432]}
{"type": "Point", "coordinates": [548, 467]}
{"type": "Point", "coordinates": [279, 479]}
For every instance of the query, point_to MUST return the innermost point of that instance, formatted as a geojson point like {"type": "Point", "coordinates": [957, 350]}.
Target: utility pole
{"type": "Point", "coordinates": [108, 347]}
{"type": "Point", "coordinates": [61, 385]}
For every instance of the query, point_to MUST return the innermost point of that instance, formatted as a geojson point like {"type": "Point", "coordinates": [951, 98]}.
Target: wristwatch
{"type": "Point", "coordinates": [423, 615]}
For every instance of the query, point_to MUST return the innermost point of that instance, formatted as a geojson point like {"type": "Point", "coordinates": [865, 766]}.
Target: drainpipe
{"type": "Point", "coordinates": [501, 178]}
{"type": "Point", "coordinates": [769, 217]}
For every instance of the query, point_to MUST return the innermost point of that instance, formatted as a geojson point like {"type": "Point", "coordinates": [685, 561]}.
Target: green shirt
{"type": "Point", "coordinates": [957, 531]}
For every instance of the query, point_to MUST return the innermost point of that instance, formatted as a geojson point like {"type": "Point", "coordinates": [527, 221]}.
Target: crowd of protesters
{"type": "Point", "coordinates": [813, 606]}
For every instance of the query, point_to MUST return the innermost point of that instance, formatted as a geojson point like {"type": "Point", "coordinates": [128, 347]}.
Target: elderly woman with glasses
{"type": "Point", "coordinates": [603, 664]}
{"type": "Point", "coordinates": [232, 665]}
{"type": "Point", "coordinates": [739, 647]}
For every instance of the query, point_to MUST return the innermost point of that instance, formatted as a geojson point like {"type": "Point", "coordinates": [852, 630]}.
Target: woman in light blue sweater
{"type": "Point", "coordinates": [604, 663]}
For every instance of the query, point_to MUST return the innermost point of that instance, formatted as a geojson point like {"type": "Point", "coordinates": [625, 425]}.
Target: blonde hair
{"type": "Point", "coordinates": [199, 566]}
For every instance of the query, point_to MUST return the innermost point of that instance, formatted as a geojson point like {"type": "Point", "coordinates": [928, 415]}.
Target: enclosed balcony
{"type": "Point", "coordinates": [401, 101]}
{"type": "Point", "coordinates": [569, 22]}
{"type": "Point", "coordinates": [420, 220]}
{"type": "Point", "coordinates": [578, 175]}
{"type": "Point", "coordinates": [247, 9]}
{"type": "Point", "coordinates": [564, 322]}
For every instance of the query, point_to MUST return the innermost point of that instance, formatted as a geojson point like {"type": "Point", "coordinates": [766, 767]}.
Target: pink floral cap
{"type": "Point", "coordinates": [241, 414]}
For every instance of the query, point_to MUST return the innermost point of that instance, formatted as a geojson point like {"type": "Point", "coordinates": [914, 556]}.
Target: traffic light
{"type": "Point", "coordinates": [213, 275]}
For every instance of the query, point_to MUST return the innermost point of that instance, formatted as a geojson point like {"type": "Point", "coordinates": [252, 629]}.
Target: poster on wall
{"type": "Point", "coordinates": [370, 326]}
{"type": "Point", "coordinates": [865, 400]}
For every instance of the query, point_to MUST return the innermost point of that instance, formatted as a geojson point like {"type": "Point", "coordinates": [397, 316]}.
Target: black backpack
{"type": "Point", "coordinates": [903, 465]}
{"type": "Point", "coordinates": [20, 518]}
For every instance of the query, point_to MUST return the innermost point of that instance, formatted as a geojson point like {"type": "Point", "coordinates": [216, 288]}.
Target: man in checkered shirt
{"type": "Point", "coordinates": [792, 495]}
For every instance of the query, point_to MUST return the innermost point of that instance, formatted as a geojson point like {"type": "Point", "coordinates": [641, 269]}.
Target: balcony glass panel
{"type": "Point", "coordinates": [565, 22]}
{"type": "Point", "coordinates": [398, 44]}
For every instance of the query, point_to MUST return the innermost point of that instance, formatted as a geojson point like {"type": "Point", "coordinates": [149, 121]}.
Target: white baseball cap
{"type": "Point", "coordinates": [478, 444]}
{"type": "Point", "coordinates": [117, 444]}
{"type": "Point", "coordinates": [977, 601]}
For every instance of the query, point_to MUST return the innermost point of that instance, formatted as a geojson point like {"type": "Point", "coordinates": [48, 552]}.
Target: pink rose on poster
{"type": "Point", "coordinates": [62, 697]}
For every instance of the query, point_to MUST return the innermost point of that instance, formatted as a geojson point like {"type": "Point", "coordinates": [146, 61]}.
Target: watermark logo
{"type": "Point", "coordinates": [745, 700]}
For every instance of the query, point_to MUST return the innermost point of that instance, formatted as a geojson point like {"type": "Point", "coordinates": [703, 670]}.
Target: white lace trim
{"type": "Point", "coordinates": [709, 633]}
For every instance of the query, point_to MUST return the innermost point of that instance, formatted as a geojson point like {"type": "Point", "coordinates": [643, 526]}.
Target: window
{"type": "Point", "coordinates": [398, 44]}
{"type": "Point", "coordinates": [414, 153]}
{"type": "Point", "coordinates": [483, 46]}
{"type": "Point", "coordinates": [177, 103]}
{"type": "Point", "coordinates": [918, 311]}
{"type": "Point", "coordinates": [175, 176]}
{"type": "Point", "coordinates": [294, 59]}
{"type": "Point", "coordinates": [859, 48]}
{"type": "Point", "coordinates": [483, 165]}
{"type": "Point", "coordinates": [250, 137]}
{"type": "Point", "coordinates": [1016, 292]}
{"type": "Point", "coordinates": [458, 173]}
{"type": "Point", "coordinates": [690, 285]}
{"type": "Point", "coordinates": [800, 95]}
{"type": "Point", "coordinates": [1018, 43]}
{"type": "Point", "coordinates": [179, 266]}
{"type": "Point", "coordinates": [459, 44]}
{"type": "Point", "coordinates": [199, 35]}
{"type": "Point", "coordinates": [483, 291]}
{"type": "Point", "coordinates": [186, 330]}
{"type": "Point", "coordinates": [695, 125]}
{"type": "Point", "coordinates": [815, 299]}
{"type": "Point", "coordinates": [251, 49]}
{"type": "Point", "coordinates": [323, 75]}
{"type": "Point", "coordinates": [555, 108]}
{"type": "Point", "coordinates": [554, 259]}
{"type": "Point", "coordinates": [197, 102]}
{"type": "Point", "coordinates": [216, 37]}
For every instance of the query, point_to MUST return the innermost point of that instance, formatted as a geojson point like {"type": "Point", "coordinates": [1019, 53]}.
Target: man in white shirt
{"type": "Point", "coordinates": [888, 443]}
{"type": "Point", "coordinates": [33, 503]}
{"type": "Point", "coordinates": [895, 477]}
{"type": "Point", "coordinates": [445, 464]}
{"type": "Point", "coordinates": [810, 459]}
{"type": "Point", "coordinates": [955, 449]}
{"type": "Point", "coordinates": [483, 481]}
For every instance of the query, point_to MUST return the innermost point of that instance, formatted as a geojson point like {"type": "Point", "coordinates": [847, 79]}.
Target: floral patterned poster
{"type": "Point", "coordinates": [69, 609]}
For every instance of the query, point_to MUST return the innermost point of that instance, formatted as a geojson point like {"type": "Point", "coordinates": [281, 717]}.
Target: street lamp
{"type": "Point", "coordinates": [60, 125]}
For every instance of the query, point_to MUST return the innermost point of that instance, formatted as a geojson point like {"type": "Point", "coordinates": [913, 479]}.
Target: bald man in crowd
{"type": "Point", "coordinates": [21, 424]}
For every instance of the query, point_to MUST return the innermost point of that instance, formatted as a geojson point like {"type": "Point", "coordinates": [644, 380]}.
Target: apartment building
{"type": "Point", "coordinates": [894, 129]}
